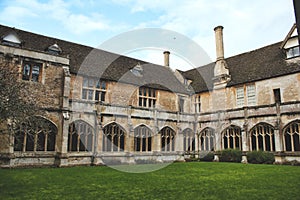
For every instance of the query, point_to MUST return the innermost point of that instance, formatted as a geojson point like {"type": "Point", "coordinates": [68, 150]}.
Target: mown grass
{"type": "Point", "coordinates": [198, 180]}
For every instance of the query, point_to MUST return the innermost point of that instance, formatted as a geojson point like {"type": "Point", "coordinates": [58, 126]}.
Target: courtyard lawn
{"type": "Point", "coordinates": [197, 180]}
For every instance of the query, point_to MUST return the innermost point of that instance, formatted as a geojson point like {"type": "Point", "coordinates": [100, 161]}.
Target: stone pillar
{"type": "Point", "coordinates": [157, 143]}
{"type": "Point", "coordinates": [278, 141]}
{"type": "Point", "coordinates": [245, 146]}
{"type": "Point", "coordinates": [218, 140]}
{"type": "Point", "coordinates": [179, 141]}
{"type": "Point", "coordinates": [62, 158]}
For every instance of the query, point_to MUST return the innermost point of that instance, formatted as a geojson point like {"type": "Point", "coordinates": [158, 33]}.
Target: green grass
{"type": "Point", "coordinates": [198, 180]}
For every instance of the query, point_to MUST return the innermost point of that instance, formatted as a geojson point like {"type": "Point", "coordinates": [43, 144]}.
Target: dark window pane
{"type": "Point", "coordinates": [51, 141]}
{"type": "Point", "coordinates": [19, 141]}
{"type": "Point", "coordinates": [41, 142]}
{"type": "Point", "coordinates": [90, 94]}
{"type": "Point", "coordinates": [26, 72]}
{"type": "Point", "coordinates": [85, 82]}
{"type": "Point", "coordinates": [149, 143]}
{"type": "Point", "coordinates": [30, 142]}
{"type": "Point", "coordinates": [84, 94]}
{"type": "Point", "coordinates": [91, 82]}
{"type": "Point", "coordinates": [35, 73]}
{"type": "Point", "coordinates": [103, 85]}
{"type": "Point", "coordinates": [97, 94]}
{"type": "Point", "coordinates": [102, 96]}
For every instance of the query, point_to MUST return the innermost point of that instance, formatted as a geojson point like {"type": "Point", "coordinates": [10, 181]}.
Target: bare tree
{"type": "Point", "coordinates": [17, 105]}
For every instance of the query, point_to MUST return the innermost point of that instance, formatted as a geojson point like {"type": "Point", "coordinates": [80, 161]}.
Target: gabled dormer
{"type": "Point", "coordinates": [54, 49]}
{"type": "Point", "coordinates": [290, 45]}
{"type": "Point", "coordinates": [11, 39]}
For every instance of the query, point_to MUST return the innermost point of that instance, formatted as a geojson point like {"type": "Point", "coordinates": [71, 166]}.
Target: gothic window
{"type": "Point", "coordinates": [36, 134]}
{"type": "Point", "coordinates": [207, 139]}
{"type": "Point", "coordinates": [80, 137]}
{"type": "Point", "coordinates": [262, 137]}
{"type": "Point", "coordinates": [167, 139]}
{"type": "Point", "coordinates": [32, 71]}
{"type": "Point", "coordinates": [93, 89]}
{"type": "Point", "coordinates": [188, 140]}
{"type": "Point", "coordinates": [197, 104]}
{"type": "Point", "coordinates": [113, 138]}
{"type": "Point", "coordinates": [292, 136]}
{"type": "Point", "coordinates": [142, 139]}
{"type": "Point", "coordinates": [147, 97]}
{"type": "Point", "coordinates": [232, 138]}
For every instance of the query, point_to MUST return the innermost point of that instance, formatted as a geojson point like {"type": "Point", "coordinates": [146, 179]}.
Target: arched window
{"type": "Point", "coordinates": [142, 138]}
{"type": "Point", "coordinates": [292, 136]}
{"type": "Point", "coordinates": [35, 134]}
{"type": "Point", "coordinates": [167, 139]}
{"type": "Point", "coordinates": [113, 138]}
{"type": "Point", "coordinates": [262, 137]}
{"type": "Point", "coordinates": [188, 140]}
{"type": "Point", "coordinates": [232, 138]}
{"type": "Point", "coordinates": [207, 139]}
{"type": "Point", "coordinates": [80, 137]}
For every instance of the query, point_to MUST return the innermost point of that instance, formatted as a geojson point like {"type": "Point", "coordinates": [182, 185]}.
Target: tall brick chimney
{"type": "Point", "coordinates": [221, 72]}
{"type": "Point", "coordinates": [167, 58]}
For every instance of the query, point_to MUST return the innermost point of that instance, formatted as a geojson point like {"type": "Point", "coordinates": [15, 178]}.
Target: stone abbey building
{"type": "Point", "coordinates": [106, 108]}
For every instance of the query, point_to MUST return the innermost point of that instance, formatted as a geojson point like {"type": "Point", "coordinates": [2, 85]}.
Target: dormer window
{"type": "Point", "coordinates": [290, 45]}
{"type": "Point", "coordinates": [54, 49]}
{"type": "Point", "coordinates": [11, 39]}
{"type": "Point", "coordinates": [137, 70]}
{"type": "Point", "coordinates": [292, 52]}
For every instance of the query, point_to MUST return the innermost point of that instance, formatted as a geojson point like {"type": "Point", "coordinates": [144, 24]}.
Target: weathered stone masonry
{"type": "Point", "coordinates": [122, 110]}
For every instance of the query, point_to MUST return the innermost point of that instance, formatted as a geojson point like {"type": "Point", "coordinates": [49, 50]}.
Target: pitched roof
{"type": "Point", "coordinates": [99, 63]}
{"type": "Point", "coordinates": [264, 63]}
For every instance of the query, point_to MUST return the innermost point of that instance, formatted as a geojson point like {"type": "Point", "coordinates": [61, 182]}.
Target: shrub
{"type": "Point", "coordinates": [260, 157]}
{"type": "Point", "coordinates": [208, 157]}
{"type": "Point", "coordinates": [230, 155]}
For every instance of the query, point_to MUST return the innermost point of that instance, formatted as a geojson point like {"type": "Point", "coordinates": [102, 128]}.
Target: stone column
{"type": "Point", "coordinates": [218, 141]}
{"type": "Point", "coordinates": [245, 146]}
{"type": "Point", "coordinates": [62, 158]}
{"type": "Point", "coordinates": [278, 141]}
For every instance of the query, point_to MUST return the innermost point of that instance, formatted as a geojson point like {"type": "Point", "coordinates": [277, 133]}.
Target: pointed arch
{"type": "Point", "coordinates": [262, 137]}
{"type": "Point", "coordinates": [232, 137]}
{"type": "Point", "coordinates": [80, 136]}
{"type": "Point", "coordinates": [167, 139]}
{"type": "Point", "coordinates": [143, 138]}
{"type": "Point", "coordinates": [113, 138]}
{"type": "Point", "coordinates": [36, 134]}
{"type": "Point", "coordinates": [207, 139]}
{"type": "Point", "coordinates": [188, 140]}
{"type": "Point", "coordinates": [291, 136]}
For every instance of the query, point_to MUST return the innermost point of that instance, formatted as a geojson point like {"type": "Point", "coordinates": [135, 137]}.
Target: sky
{"type": "Point", "coordinates": [248, 25]}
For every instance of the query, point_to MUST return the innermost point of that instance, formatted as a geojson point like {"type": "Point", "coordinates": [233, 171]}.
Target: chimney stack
{"type": "Point", "coordinates": [221, 72]}
{"type": "Point", "coordinates": [219, 42]}
{"type": "Point", "coordinates": [167, 58]}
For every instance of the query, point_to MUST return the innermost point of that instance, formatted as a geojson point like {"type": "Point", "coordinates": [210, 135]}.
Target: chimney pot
{"type": "Point", "coordinates": [167, 58]}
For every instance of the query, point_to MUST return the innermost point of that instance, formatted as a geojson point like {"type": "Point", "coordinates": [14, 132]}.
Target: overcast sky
{"type": "Point", "coordinates": [248, 25]}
